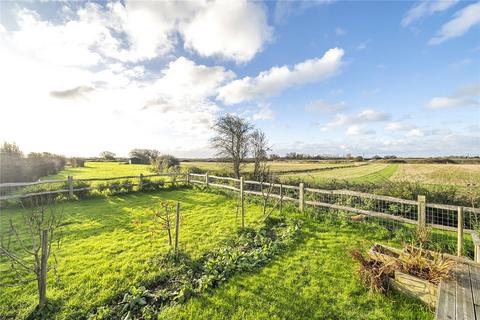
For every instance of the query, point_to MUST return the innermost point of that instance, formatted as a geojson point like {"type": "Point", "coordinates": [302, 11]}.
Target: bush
{"type": "Point", "coordinates": [166, 163]}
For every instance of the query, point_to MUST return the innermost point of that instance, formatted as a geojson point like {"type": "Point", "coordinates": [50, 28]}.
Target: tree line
{"type": "Point", "coordinates": [16, 167]}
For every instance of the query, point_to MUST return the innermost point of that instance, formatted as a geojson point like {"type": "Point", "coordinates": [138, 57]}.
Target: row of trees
{"type": "Point", "coordinates": [235, 139]}
{"type": "Point", "coordinates": [16, 167]}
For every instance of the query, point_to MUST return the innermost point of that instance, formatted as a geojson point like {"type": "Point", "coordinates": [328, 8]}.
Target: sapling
{"type": "Point", "coordinates": [29, 245]}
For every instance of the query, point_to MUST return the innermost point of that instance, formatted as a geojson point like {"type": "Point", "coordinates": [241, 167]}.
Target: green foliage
{"type": "Point", "coordinates": [252, 249]}
{"type": "Point", "coordinates": [166, 163]}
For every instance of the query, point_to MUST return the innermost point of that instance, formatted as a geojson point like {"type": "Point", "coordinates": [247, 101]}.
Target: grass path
{"type": "Point", "coordinates": [315, 280]}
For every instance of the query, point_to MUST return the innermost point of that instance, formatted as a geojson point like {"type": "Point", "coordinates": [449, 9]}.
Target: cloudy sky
{"type": "Point", "coordinates": [321, 77]}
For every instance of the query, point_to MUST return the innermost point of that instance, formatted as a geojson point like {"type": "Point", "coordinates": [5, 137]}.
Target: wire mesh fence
{"type": "Point", "coordinates": [402, 220]}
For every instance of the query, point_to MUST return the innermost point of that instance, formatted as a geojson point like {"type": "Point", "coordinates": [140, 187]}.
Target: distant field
{"type": "Point", "coordinates": [102, 170]}
{"type": "Point", "coordinates": [310, 172]}
{"type": "Point", "coordinates": [364, 173]}
{"type": "Point", "coordinates": [451, 174]}
{"type": "Point", "coordinates": [275, 166]}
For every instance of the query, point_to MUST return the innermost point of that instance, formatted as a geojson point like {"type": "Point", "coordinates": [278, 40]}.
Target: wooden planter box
{"type": "Point", "coordinates": [407, 284]}
{"type": "Point", "coordinates": [415, 287]}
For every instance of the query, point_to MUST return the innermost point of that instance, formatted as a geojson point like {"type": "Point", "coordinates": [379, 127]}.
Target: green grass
{"type": "Point", "coordinates": [365, 173]}
{"type": "Point", "coordinates": [102, 170]}
{"type": "Point", "coordinates": [277, 167]}
{"type": "Point", "coordinates": [316, 279]}
{"type": "Point", "coordinates": [103, 252]}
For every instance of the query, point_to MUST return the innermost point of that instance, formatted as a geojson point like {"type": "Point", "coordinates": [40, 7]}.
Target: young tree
{"type": "Point", "coordinates": [107, 155]}
{"type": "Point", "coordinates": [232, 140]}
{"type": "Point", "coordinates": [28, 246]}
{"type": "Point", "coordinates": [259, 148]}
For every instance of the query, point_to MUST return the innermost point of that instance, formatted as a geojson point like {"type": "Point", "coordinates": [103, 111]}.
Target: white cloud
{"type": "Point", "coordinates": [323, 106]}
{"type": "Point", "coordinates": [277, 79]}
{"type": "Point", "coordinates": [265, 112]}
{"type": "Point", "coordinates": [425, 8]}
{"type": "Point", "coordinates": [340, 32]}
{"type": "Point", "coordinates": [463, 21]}
{"type": "Point", "coordinates": [356, 130]}
{"type": "Point", "coordinates": [229, 29]}
{"type": "Point", "coordinates": [465, 96]}
{"type": "Point", "coordinates": [415, 133]}
{"type": "Point", "coordinates": [144, 30]}
{"type": "Point", "coordinates": [399, 126]}
{"type": "Point", "coordinates": [364, 116]}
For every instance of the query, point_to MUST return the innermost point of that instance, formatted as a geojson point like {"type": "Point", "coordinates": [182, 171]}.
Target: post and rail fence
{"type": "Point", "coordinates": [458, 219]}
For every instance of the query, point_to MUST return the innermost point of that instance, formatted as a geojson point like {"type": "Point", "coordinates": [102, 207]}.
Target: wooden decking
{"type": "Point", "coordinates": [459, 298]}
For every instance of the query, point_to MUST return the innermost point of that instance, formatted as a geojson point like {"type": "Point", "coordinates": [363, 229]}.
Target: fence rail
{"type": "Point", "coordinates": [458, 219]}
{"type": "Point", "coordinates": [69, 185]}
{"type": "Point", "coordinates": [418, 212]}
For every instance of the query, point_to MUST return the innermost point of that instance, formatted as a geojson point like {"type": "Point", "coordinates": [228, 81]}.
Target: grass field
{"type": "Point", "coordinates": [274, 166]}
{"type": "Point", "coordinates": [310, 172]}
{"type": "Point", "coordinates": [451, 174]}
{"type": "Point", "coordinates": [366, 173]}
{"type": "Point", "coordinates": [104, 252]}
{"type": "Point", "coordinates": [102, 170]}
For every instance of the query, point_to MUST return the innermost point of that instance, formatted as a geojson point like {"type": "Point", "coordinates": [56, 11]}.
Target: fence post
{"type": "Point", "coordinates": [141, 182]}
{"type": "Point", "coordinates": [43, 269]}
{"type": "Point", "coordinates": [422, 207]}
{"type": "Point", "coordinates": [206, 178]}
{"type": "Point", "coordinates": [281, 198]}
{"type": "Point", "coordinates": [177, 228]}
{"type": "Point", "coordinates": [460, 232]}
{"type": "Point", "coordinates": [188, 178]}
{"type": "Point", "coordinates": [301, 200]}
{"type": "Point", "coordinates": [242, 201]}
{"type": "Point", "coordinates": [70, 186]}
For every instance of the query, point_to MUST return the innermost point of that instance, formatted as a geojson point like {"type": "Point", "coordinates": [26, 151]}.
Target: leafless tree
{"type": "Point", "coordinates": [232, 140]}
{"type": "Point", "coordinates": [28, 245]}
{"type": "Point", "coordinates": [259, 148]}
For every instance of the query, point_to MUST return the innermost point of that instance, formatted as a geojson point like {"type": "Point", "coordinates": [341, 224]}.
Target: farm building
{"type": "Point", "coordinates": [135, 160]}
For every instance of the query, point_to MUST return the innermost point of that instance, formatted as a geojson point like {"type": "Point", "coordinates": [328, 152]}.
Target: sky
{"type": "Point", "coordinates": [319, 77]}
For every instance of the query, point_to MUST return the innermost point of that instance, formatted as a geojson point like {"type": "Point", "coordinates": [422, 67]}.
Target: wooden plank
{"type": "Point", "coordinates": [464, 306]}
{"type": "Point", "coordinates": [446, 300]}
{"type": "Point", "coordinates": [415, 287]}
{"type": "Point", "coordinates": [475, 280]}
{"type": "Point", "coordinates": [25, 184]}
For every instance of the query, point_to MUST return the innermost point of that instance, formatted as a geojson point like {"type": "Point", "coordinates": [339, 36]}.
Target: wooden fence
{"type": "Point", "coordinates": [419, 212]}
{"type": "Point", "coordinates": [457, 219]}
{"type": "Point", "coordinates": [69, 185]}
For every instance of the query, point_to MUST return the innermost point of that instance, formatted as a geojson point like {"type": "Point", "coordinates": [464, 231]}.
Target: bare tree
{"type": "Point", "coordinates": [259, 148]}
{"type": "Point", "coordinates": [232, 140]}
{"type": "Point", "coordinates": [107, 155]}
{"type": "Point", "coordinates": [28, 245]}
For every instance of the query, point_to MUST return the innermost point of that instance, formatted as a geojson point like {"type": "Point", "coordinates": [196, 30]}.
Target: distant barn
{"type": "Point", "coordinates": [135, 160]}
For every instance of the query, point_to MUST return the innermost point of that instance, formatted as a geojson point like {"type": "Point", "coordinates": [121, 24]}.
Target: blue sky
{"type": "Point", "coordinates": [323, 77]}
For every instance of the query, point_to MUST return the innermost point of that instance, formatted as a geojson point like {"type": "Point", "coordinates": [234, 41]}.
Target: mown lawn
{"type": "Point", "coordinates": [107, 247]}
{"type": "Point", "coordinates": [107, 244]}
{"type": "Point", "coordinates": [316, 279]}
